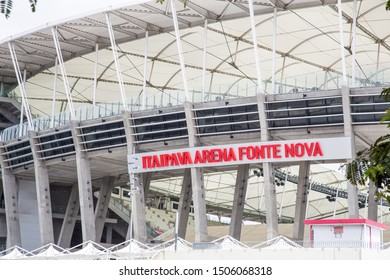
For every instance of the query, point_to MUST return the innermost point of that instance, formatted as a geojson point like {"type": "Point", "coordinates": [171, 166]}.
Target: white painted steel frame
{"type": "Point", "coordinates": [145, 69]}
{"type": "Point", "coordinates": [63, 73]}
{"type": "Point", "coordinates": [21, 85]}
{"type": "Point", "coordinates": [180, 50]}
{"type": "Point", "coordinates": [116, 61]}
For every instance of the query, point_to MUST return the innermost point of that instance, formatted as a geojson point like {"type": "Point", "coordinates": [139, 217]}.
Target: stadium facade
{"type": "Point", "coordinates": [193, 102]}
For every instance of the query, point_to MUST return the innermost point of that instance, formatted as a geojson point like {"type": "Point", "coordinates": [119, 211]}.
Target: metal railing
{"type": "Point", "coordinates": [300, 115]}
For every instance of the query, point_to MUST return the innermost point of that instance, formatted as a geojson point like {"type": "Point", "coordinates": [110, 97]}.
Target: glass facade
{"type": "Point", "coordinates": [169, 126]}
{"type": "Point", "coordinates": [104, 135]}
{"type": "Point", "coordinates": [18, 154]}
{"type": "Point", "coordinates": [305, 113]}
{"type": "Point", "coordinates": [56, 145]}
{"type": "Point", "coordinates": [227, 120]}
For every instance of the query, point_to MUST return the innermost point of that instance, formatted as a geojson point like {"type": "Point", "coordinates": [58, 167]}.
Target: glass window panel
{"type": "Point", "coordinates": [239, 118]}
{"type": "Point", "coordinates": [251, 108]}
{"type": "Point", "coordinates": [222, 128]}
{"type": "Point", "coordinates": [240, 126]}
{"type": "Point", "coordinates": [236, 110]}
{"type": "Point", "coordinates": [221, 111]}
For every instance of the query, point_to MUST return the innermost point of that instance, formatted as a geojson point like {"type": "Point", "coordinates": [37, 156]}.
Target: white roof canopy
{"type": "Point", "coordinates": [307, 50]}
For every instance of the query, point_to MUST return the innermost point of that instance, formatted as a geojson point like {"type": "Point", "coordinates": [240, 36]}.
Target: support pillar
{"type": "Point", "coordinates": [353, 208]}
{"type": "Point", "coordinates": [72, 210]}
{"type": "Point", "coordinates": [239, 201]}
{"type": "Point", "coordinates": [271, 214]}
{"type": "Point", "coordinates": [10, 192]}
{"type": "Point", "coordinates": [199, 198]}
{"type": "Point", "coordinates": [137, 222]}
{"type": "Point", "coordinates": [268, 169]}
{"type": "Point", "coordinates": [146, 179]}
{"type": "Point", "coordinates": [184, 203]}
{"type": "Point", "coordinates": [102, 205]}
{"type": "Point", "coordinates": [301, 201]}
{"type": "Point", "coordinates": [109, 233]}
{"type": "Point", "coordinates": [138, 211]}
{"type": "Point", "coordinates": [1, 189]}
{"type": "Point", "coordinates": [372, 202]}
{"type": "Point", "coordinates": [198, 190]}
{"type": "Point", "coordinates": [43, 193]}
{"type": "Point", "coordinates": [85, 186]}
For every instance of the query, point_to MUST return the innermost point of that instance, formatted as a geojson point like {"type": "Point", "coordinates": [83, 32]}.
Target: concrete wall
{"type": "Point", "coordinates": [29, 222]}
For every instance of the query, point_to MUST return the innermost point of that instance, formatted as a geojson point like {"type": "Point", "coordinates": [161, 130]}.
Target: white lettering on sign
{"type": "Point", "coordinates": [275, 151]}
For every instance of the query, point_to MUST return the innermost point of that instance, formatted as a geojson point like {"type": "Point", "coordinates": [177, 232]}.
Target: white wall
{"type": "Point", "coordinates": [353, 236]}
{"type": "Point", "coordinates": [376, 234]}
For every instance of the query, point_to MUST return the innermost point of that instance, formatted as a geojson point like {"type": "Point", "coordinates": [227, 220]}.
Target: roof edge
{"type": "Point", "coordinates": [74, 17]}
{"type": "Point", "coordinates": [346, 222]}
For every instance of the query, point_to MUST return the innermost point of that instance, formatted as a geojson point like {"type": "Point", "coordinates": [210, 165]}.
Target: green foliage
{"type": "Point", "coordinates": [385, 94]}
{"type": "Point", "coordinates": [6, 7]}
{"type": "Point", "coordinates": [33, 4]}
{"type": "Point", "coordinates": [184, 2]}
{"type": "Point", "coordinates": [373, 163]}
{"type": "Point", "coordinates": [388, 5]}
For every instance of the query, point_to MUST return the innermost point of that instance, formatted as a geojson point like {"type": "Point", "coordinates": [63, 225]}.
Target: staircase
{"type": "Point", "coordinates": [124, 212]}
{"type": "Point", "coordinates": [9, 112]}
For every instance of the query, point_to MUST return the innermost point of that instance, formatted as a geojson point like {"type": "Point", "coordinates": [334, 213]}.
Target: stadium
{"type": "Point", "coordinates": [194, 129]}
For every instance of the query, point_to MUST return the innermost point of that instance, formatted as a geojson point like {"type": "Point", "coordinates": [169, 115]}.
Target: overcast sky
{"type": "Point", "coordinates": [48, 11]}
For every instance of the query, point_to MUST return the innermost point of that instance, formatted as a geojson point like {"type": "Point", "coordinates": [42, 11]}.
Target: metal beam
{"type": "Point", "coordinates": [63, 72]}
{"type": "Point", "coordinates": [375, 38]}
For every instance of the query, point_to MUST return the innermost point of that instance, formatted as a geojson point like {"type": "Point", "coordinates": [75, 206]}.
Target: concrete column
{"type": "Point", "coordinates": [70, 218]}
{"type": "Point", "coordinates": [139, 215]}
{"type": "Point", "coordinates": [10, 191]}
{"type": "Point", "coordinates": [198, 191]}
{"type": "Point", "coordinates": [269, 177]}
{"type": "Point", "coordinates": [301, 201]}
{"type": "Point", "coordinates": [146, 179]}
{"type": "Point", "coordinates": [185, 203]}
{"type": "Point", "coordinates": [43, 193]}
{"type": "Point", "coordinates": [138, 198]}
{"type": "Point", "coordinates": [102, 205]}
{"type": "Point", "coordinates": [271, 214]}
{"type": "Point", "coordinates": [199, 199]}
{"type": "Point", "coordinates": [353, 208]}
{"type": "Point", "coordinates": [109, 233]}
{"type": "Point", "coordinates": [85, 187]}
{"type": "Point", "coordinates": [239, 201]}
{"type": "Point", "coordinates": [1, 188]}
{"type": "Point", "coordinates": [372, 203]}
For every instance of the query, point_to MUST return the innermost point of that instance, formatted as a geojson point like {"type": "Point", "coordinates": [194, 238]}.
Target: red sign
{"type": "Point", "coordinates": [278, 151]}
